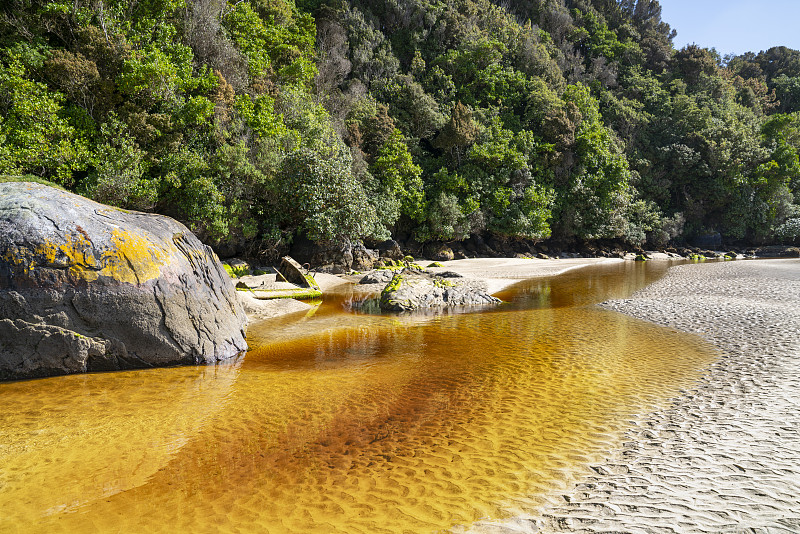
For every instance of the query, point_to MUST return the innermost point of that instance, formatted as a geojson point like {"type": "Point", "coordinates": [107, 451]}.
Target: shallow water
{"type": "Point", "coordinates": [345, 422]}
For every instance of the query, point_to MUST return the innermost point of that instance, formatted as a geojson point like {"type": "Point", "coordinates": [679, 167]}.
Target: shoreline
{"type": "Point", "coordinates": [497, 273]}
{"type": "Point", "coordinates": [501, 273]}
{"type": "Point", "coordinates": [725, 455]}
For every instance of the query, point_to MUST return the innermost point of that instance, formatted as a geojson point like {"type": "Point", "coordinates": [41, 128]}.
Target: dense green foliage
{"type": "Point", "coordinates": [255, 120]}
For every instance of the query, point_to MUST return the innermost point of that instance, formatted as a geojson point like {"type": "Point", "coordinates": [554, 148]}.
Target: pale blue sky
{"type": "Point", "coordinates": [734, 26]}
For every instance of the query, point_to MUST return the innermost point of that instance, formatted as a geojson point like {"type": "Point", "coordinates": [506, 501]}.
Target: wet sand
{"type": "Point", "coordinates": [725, 456]}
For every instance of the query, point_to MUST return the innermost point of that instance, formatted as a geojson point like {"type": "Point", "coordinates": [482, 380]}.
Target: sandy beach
{"type": "Point", "coordinates": [725, 456]}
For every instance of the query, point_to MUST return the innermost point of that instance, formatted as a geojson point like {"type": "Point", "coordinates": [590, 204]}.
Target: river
{"type": "Point", "coordinates": [338, 421]}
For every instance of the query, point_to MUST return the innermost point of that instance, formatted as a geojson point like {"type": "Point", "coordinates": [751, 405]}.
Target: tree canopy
{"type": "Point", "coordinates": [257, 120]}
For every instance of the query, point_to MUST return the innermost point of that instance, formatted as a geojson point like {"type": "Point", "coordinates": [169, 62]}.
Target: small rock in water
{"type": "Point", "coordinates": [409, 290]}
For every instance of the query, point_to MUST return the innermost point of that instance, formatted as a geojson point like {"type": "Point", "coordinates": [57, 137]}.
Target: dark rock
{"type": "Point", "coordinates": [229, 248]}
{"type": "Point", "coordinates": [411, 291]}
{"type": "Point", "coordinates": [303, 249]}
{"type": "Point", "coordinates": [777, 251]}
{"type": "Point", "coordinates": [390, 249]}
{"type": "Point", "coordinates": [440, 252]}
{"type": "Point", "coordinates": [476, 244]}
{"type": "Point", "coordinates": [519, 246]}
{"type": "Point", "coordinates": [381, 276]}
{"type": "Point", "coordinates": [325, 257]}
{"type": "Point", "coordinates": [87, 287]}
{"type": "Point", "coordinates": [364, 259]}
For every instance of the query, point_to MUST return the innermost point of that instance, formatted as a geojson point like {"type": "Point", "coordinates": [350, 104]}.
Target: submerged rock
{"type": "Point", "coordinates": [88, 287]}
{"type": "Point", "coordinates": [410, 290]}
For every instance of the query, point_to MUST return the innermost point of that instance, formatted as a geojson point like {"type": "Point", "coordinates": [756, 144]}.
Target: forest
{"type": "Point", "coordinates": [259, 122]}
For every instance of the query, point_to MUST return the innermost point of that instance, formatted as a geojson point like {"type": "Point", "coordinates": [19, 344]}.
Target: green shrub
{"type": "Point", "coordinates": [236, 271]}
{"type": "Point", "coordinates": [789, 232]}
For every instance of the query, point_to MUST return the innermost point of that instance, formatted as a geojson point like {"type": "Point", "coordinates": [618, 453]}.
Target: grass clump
{"type": "Point", "coordinates": [389, 264]}
{"type": "Point", "coordinates": [236, 271]}
{"type": "Point", "coordinates": [394, 284]}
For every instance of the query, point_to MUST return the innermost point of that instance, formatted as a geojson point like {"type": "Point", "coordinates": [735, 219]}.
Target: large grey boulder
{"type": "Point", "coordinates": [88, 287]}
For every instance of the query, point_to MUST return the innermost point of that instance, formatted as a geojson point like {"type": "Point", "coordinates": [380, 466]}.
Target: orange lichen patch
{"type": "Point", "coordinates": [129, 257]}
{"type": "Point", "coordinates": [134, 259]}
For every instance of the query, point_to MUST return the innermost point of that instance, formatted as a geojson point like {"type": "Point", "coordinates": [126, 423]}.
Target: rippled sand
{"type": "Point", "coordinates": [344, 423]}
{"type": "Point", "coordinates": [725, 456]}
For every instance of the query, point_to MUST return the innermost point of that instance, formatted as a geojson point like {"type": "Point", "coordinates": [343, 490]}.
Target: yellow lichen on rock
{"type": "Point", "coordinates": [133, 259]}
{"type": "Point", "coordinates": [130, 258]}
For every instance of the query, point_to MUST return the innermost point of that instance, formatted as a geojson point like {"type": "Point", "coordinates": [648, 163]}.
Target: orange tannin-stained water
{"type": "Point", "coordinates": [344, 422]}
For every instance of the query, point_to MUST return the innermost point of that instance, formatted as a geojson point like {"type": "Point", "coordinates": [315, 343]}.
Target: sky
{"type": "Point", "coordinates": [734, 26]}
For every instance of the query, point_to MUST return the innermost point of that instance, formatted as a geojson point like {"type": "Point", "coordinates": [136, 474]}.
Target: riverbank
{"type": "Point", "coordinates": [725, 456]}
{"type": "Point", "coordinates": [497, 273]}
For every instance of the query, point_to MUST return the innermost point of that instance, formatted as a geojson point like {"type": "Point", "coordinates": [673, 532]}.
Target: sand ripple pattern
{"type": "Point", "coordinates": [726, 456]}
{"type": "Point", "coordinates": [348, 423]}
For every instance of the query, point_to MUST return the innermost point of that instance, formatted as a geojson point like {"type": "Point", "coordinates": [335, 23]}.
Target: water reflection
{"type": "Point", "coordinates": [582, 287]}
{"type": "Point", "coordinates": [370, 423]}
{"type": "Point", "coordinates": [70, 441]}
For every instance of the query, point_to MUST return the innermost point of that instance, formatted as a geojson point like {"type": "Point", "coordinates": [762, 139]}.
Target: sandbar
{"type": "Point", "coordinates": [725, 455]}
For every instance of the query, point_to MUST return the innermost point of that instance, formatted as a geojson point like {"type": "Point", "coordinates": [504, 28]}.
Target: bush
{"type": "Point", "coordinates": [321, 197]}
{"type": "Point", "coordinates": [789, 232]}
{"type": "Point", "coordinates": [118, 178]}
